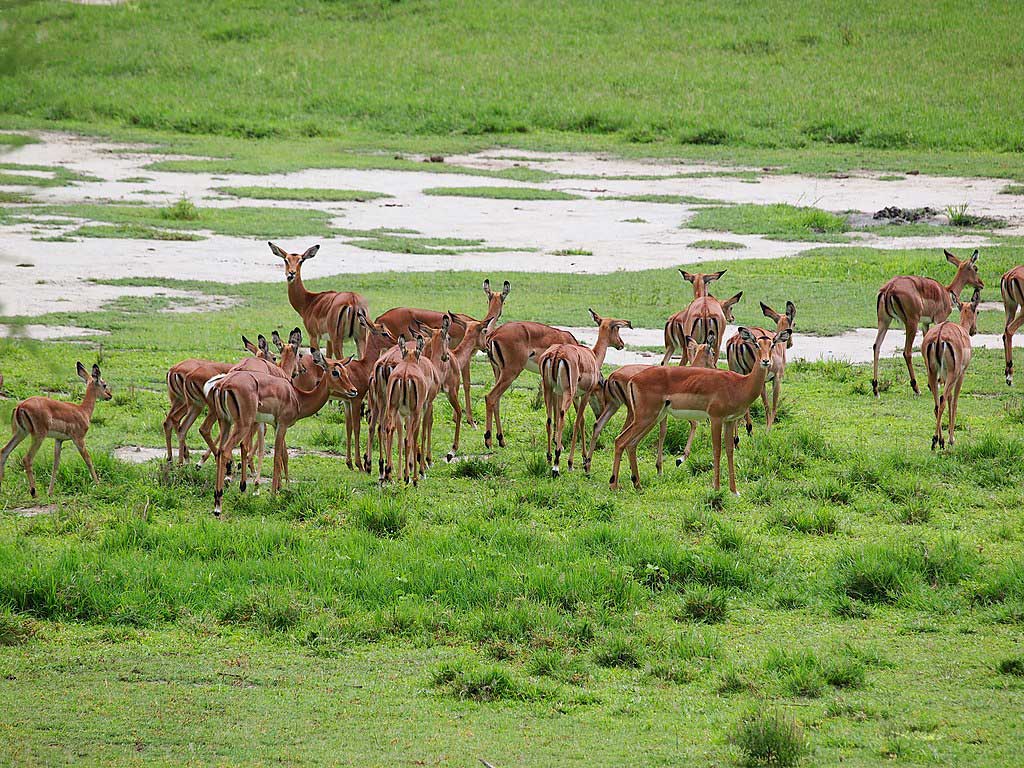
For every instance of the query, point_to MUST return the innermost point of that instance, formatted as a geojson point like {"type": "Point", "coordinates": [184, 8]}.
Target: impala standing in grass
{"type": "Point", "coordinates": [742, 357]}
{"type": "Point", "coordinates": [704, 314]}
{"type": "Point", "coordinates": [947, 353]}
{"type": "Point", "coordinates": [1012, 288]}
{"type": "Point", "coordinates": [43, 417]}
{"type": "Point", "coordinates": [914, 300]}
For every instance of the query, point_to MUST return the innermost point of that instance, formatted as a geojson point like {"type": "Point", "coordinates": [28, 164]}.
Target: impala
{"type": "Point", "coordinates": [694, 393]}
{"type": "Point", "coordinates": [1012, 287]}
{"type": "Point", "coordinates": [474, 338]}
{"type": "Point", "coordinates": [742, 357]}
{"type": "Point", "coordinates": [406, 321]}
{"type": "Point", "coordinates": [613, 394]}
{"type": "Point", "coordinates": [513, 348]}
{"type": "Point", "coordinates": [412, 385]}
{"type": "Point", "coordinates": [244, 399]}
{"type": "Point", "coordinates": [330, 313]}
{"type": "Point", "coordinates": [42, 417]}
{"type": "Point", "coordinates": [703, 314]}
{"type": "Point", "coordinates": [946, 350]}
{"type": "Point", "coordinates": [913, 300]}
{"type": "Point", "coordinates": [569, 375]}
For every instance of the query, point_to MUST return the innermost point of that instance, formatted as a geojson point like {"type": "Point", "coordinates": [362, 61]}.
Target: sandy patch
{"type": "Point", "coordinates": [45, 509]}
{"type": "Point", "coordinates": [47, 332]}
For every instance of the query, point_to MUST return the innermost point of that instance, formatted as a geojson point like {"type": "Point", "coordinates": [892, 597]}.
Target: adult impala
{"type": "Point", "coordinates": [742, 357]}
{"type": "Point", "coordinates": [327, 313]}
{"type": "Point", "coordinates": [613, 395]}
{"type": "Point", "coordinates": [407, 321]}
{"type": "Point", "coordinates": [914, 300]}
{"type": "Point", "coordinates": [694, 393]}
{"type": "Point", "coordinates": [705, 313]}
{"type": "Point", "coordinates": [43, 417]}
{"type": "Point", "coordinates": [946, 350]}
{"type": "Point", "coordinates": [1012, 288]}
{"type": "Point", "coordinates": [569, 375]}
{"type": "Point", "coordinates": [412, 386]}
{"type": "Point", "coordinates": [513, 348]}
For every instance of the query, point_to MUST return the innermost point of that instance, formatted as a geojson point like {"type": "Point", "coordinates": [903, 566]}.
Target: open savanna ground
{"type": "Point", "coordinates": [862, 587]}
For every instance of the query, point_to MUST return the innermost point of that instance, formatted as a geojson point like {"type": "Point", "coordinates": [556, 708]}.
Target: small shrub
{"type": "Point", "coordinates": [769, 738]}
{"type": "Point", "coordinates": [383, 516]}
{"type": "Point", "coordinates": [474, 467]}
{"type": "Point", "coordinates": [619, 650]}
{"type": "Point", "coordinates": [1014, 665]}
{"type": "Point", "coordinates": [708, 605]}
{"type": "Point", "coordinates": [182, 210]}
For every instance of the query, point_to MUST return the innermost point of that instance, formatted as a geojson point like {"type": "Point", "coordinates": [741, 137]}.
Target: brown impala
{"type": "Point", "coordinates": [1012, 287]}
{"type": "Point", "coordinates": [694, 393]}
{"type": "Point", "coordinates": [569, 375]}
{"type": "Point", "coordinates": [742, 356]}
{"type": "Point", "coordinates": [946, 350]}
{"type": "Point", "coordinates": [42, 417]}
{"type": "Point", "coordinates": [913, 300]}
{"type": "Point", "coordinates": [704, 314]}
{"type": "Point", "coordinates": [328, 313]}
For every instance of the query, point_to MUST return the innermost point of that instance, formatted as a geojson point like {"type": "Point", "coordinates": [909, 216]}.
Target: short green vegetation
{"type": "Point", "coordinates": [1013, 189]}
{"type": "Point", "coordinates": [131, 231]}
{"type": "Point", "coordinates": [667, 199]}
{"type": "Point", "coordinates": [503, 193]}
{"type": "Point", "coordinates": [717, 245]}
{"type": "Point", "coordinates": [780, 220]}
{"type": "Point", "coordinates": [13, 174]}
{"type": "Point", "coordinates": [307, 194]}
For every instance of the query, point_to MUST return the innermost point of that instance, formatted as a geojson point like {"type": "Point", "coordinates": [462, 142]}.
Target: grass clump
{"type": "Point", "coordinates": [666, 199]}
{"type": "Point", "coordinates": [717, 245]}
{"type": "Point", "coordinates": [15, 629]}
{"type": "Point", "coordinates": [182, 210]}
{"type": "Point", "coordinates": [132, 232]}
{"type": "Point", "coordinates": [1012, 189]}
{"type": "Point", "coordinates": [382, 515]}
{"type": "Point", "coordinates": [775, 219]}
{"type": "Point", "coordinates": [884, 572]}
{"type": "Point", "coordinates": [818, 521]}
{"type": "Point", "coordinates": [769, 739]}
{"type": "Point", "coordinates": [1012, 665]}
{"type": "Point", "coordinates": [619, 650]}
{"type": "Point", "coordinates": [465, 679]}
{"type": "Point", "coordinates": [502, 193]}
{"type": "Point", "coordinates": [704, 604]}
{"type": "Point", "coordinates": [473, 467]}
{"type": "Point", "coordinates": [304, 194]}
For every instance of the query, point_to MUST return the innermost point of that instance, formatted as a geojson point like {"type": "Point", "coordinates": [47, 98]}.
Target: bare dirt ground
{"type": "Point", "coordinates": [618, 234]}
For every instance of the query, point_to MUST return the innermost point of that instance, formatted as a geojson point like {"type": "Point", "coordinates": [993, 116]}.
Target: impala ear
{"type": "Point", "coordinates": [594, 316]}
{"type": "Point", "coordinates": [746, 335]}
{"type": "Point", "coordinates": [770, 313]}
{"type": "Point", "coordinates": [261, 342]}
{"type": "Point", "coordinates": [711, 338]}
{"type": "Point", "coordinates": [277, 251]}
{"type": "Point", "coordinates": [782, 337]}
{"type": "Point", "coordinates": [419, 347]}
{"type": "Point", "coordinates": [446, 323]}
{"type": "Point", "coordinates": [318, 358]}
{"type": "Point", "coordinates": [295, 337]}
{"type": "Point", "coordinates": [734, 300]}
{"type": "Point", "coordinates": [249, 346]}
{"type": "Point", "coordinates": [455, 319]}
{"type": "Point", "coordinates": [628, 324]}
{"type": "Point", "coordinates": [687, 276]}
{"type": "Point", "coordinates": [713, 276]}
{"type": "Point", "coordinates": [955, 300]}
{"type": "Point", "coordinates": [95, 373]}
{"type": "Point", "coordinates": [276, 338]}
{"type": "Point", "coordinates": [976, 298]}
{"type": "Point", "coordinates": [80, 369]}
{"type": "Point", "coordinates": [974, 256]}
{"type": "Point", "coordinates": [506, 289]}
{"type": "Point", "coordinates": [951, 258]}
{"type": "Point", "coordinates": [791, 311]}
{"type": "Point", "coordinates": [310, 252]}
{"type": "Point", "coordinates": [487, 287]}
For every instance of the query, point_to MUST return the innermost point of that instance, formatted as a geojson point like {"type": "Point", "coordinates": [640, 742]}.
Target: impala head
{"type": "Point", "coordinates": [293, 261]}
{"type": "Point", "coordinates": [477, 330]}
{"type": "Point", "coordinates": [611, 326]}
{"type": "Point", "coordinates": [782, 322]}
{"type": "Point", "coordinates": [411, 348]}
{"type": "Point", "coordinates": [700, 280]}
{"type": "Point", "coordinates": [764, 343]}
{"type": "Point", "coordinates": [338, 381]}
{"type": "Point", "coordinates": [374, 329]}
{"type": "Point", "coordinates": [702, 355]}
{"type": "Point", "coordinates": [94, 380]}
{"type": "Point", "coordinates": [446, 339]}
{"type": "Point", "coordinates": [966, 270]}
{"type": "Point", "coordinates": [728, 304]}
{"type": "Point", "coordinates": [496, 301]}
{"type": "Point", "coordinates": [968, 311]}
{"type": "Point", "coordinates": [263, 347]}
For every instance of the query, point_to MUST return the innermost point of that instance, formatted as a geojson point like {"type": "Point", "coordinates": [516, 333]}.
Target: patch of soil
{"type": "Point", "coordinates": [894, 215]}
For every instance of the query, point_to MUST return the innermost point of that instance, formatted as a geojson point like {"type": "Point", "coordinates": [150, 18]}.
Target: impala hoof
{"type": "Point", "coordinates": [736, 440]}
{"type": "Point", "coordinates": [501, 440]}
{"type": "Point", "coordinates": [554, 472]}
{"type": "Point", "coordinates": [450, 457]}
{"type": "Point", "coordinates": [680, 461]}
{"type": "Point", "coordinates": [935, 441]}
{"type": "Point", "coordinates": [913, 386]}
{"type": "Point", "coordinates": [242, 487]}
{"type": "Point", "coordinates": [874, 386]}
{"type": "Point", "coordinates": [32, 492]}
{"type": "Point", "coordinates": [750, 431]}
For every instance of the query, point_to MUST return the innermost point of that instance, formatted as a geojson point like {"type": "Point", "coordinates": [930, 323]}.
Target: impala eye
{"type": "Point", "coordinates": [335, 374]}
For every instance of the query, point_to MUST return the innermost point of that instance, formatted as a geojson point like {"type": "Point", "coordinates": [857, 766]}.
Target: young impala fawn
{"type": "Point", "coordinates": [569, 375]}
{"type": "Point", "coordinates": [742, 357]}
{"type": "Point", "coordinates": [705, 313]}
{"type": "Point", "coordinates": [694, 393]}
{"type": "Point", "coordinates": [947, 353]}
{"type": "Point", "coordinates": [327, 313]}
{"type": "Point", "coordinates": [913, 300]}
{"type": "Point", "coordinates": [42, 417]}
{"type": "Point", "coordinates": [1012, 288]}
{"type": "Point", "coordinates": [613, 395]}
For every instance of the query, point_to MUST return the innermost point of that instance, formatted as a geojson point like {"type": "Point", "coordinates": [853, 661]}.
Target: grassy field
{"type": "Point", "coordinates": [865, 589]}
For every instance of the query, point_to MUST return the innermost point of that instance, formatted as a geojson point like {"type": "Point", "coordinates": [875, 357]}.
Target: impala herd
{"type": "Point", "coordinates": [406, 357]}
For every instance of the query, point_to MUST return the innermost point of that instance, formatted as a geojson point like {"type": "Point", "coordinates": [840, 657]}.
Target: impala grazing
{"type": "Point", "coordinates": [946, 350]}
{"type": "Point", "coordinates": [743, 356]}
{"type": "Point", "coordinates": [42, 417]}
{"type": "Point", "coordinates": [569, 375]}
{"type": "Point", "coordinates": [913, 300]}
{"type": "Point", "coordinates": [613, 393]}
{"type": "Point", "coordinates": [704, 314]}
{"type": "Point", "coordinates": [328, 313]}
{"type": "Point", "coordinates": [694, 393]}
{"type": "Point", "coordinates": [1012, 288]}
{"type": "Point", "coordinates": [513, 348]}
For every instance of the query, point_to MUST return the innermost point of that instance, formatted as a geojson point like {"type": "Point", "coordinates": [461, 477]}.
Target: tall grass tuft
{"type": "Point", "coordinates": [383, 515]}
{"type": "Point", "coordinates": [769, 739]}
{"type": "Point", "coordinates": [475, 467]}
{"type": "Point", "coordinates": [182, 210]}
{"type": "Point", "coordinates": [704, 604]}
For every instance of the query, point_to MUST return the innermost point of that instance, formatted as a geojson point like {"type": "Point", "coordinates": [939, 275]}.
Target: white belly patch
{"type": "Point", "coordinates": [531, 365]}
{"type": "Point", "coordinates": [211, 382]}
{"type": "Point", "coordinates": [688, 415]}
{"type": "Point", "coordinates": [264, 418]}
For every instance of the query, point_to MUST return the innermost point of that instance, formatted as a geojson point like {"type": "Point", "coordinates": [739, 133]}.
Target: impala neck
{"type": "Point", "coordinates": [89, 401]}
{"type": "Point", "coordinates": [311, 401]}
{"type": "Point", "coordinates": [753, 382]}
{"type": "Point", "coordinates": [700, 288]}
{"type": "Point", "coordinates": [297, 293]}
{"type": "Point", "coordinates": [601, 347]}
{"type": "Point", "coordinates": [959, 281]}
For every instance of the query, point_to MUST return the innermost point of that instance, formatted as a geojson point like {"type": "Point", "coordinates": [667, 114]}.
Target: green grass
{"type": "Point", "coordinates": [14, 197]}
{"type": "Point", "coordinates": [306, 194]}
{"type": "Point", "coordinates": [778, 219]}
{"type": "Point", "coordinates": [734, 68]}
{"type": "Point", "coordinates": [131, 231]}
{"type": "Point", "coordinates": [717, 245]}
{"type": "Point", "coordinates": [503, 193]}
{"type": "Point", "coordinates": [59, 176]}
{"type": "Point", "coordinates": [666, 199]}
{"type": "Point", "coordinates": [1013, 189]}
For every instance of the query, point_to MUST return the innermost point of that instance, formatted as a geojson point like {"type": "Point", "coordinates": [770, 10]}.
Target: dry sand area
{"type": "Point", "coordinates": [516, 235]}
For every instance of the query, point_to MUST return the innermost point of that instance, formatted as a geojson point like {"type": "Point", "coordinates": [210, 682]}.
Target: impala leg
{"type": "Point", "coordinates": [1012, 326]}
{"type": "Point", "coordinates": [16, 438]}
{"type": "Point", "coordinates": [908, 348]}
{"type": "Point", "coordinates": [470, 421]}
{"type": "Point", "coordinates": [578, 427]}
{"type": "Point", "coordinates": [630, 436]}
{"type": "Point", "coordinates": [184, 425]}
{"type": "Point", "coordinates": [689, 441]}
{"type": "Point", "coordinates": [730, 433]}
{"type": "Point", "coordinates": [662, 432]}
{"type": "Point", "coordinates": [883, 328]}
{"type": "Point", "coordinates": [284, 457]}
{"type": "Point", "coordinates": [171, 423]}
{"type": "Point", "coordinates": [206, 432]}
{"type": "Point", "coordinates": [749, 422]}
{"type": "Point", "coordinates": [933, 387]}
{"type": "Point", "coordinates": [634, 468]}
{"type": "Point", "coordinates": [56, 465]}
{"type": "Point", "coordinates": [562, 404]}
{"type": "Point", "coordinates": [670, 350]}
{"type": "Point", "coordinates": [610, 407]}
{"type": "Point", "coordinates": [776, 394]}
{"type": "Point", "coordinates": [280, 452]}
{"type": "Point", "coordinates": [716, 450]}
{"type": "Point", "coordinates": [228, 440]}
{"type": "Point", "coordinates": [493, 403]}
{"type": "Point", "coordinates": [26, 461]}
{"type": "Point", "coordinates": [767, 410]}
{"type": "Point", "coordinates": [954, 401]}
{"type": "Point", "coordinates": [245, 450]}
{"type": "Point", "coordinates": [80, 445]}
